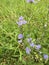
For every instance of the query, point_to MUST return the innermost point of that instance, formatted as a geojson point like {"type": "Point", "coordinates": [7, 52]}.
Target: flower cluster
{"type": "Point", "coordinates": [32, 45]}
{"type": "Point", "coordinates": [36, 47]}
{"type": "Point", "coordinates": [45, 56]}
{"type": "Point", "coordinates": [21, 21]}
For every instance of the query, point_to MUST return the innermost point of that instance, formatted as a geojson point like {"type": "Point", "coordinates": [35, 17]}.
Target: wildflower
{"type": "Point", "coordinates": [21, 18]}
{"type": "Point", "coordinates": [45, 56]}
{"type": "Point", "coordinates": [32, 44]}
{"type": "Point", "coordinates": [30, 1]}
{"type": "Point", "coordinates": [38, 47]}
{"type": "Point", "coordinates": [29, 40]}
{"type": "Point", "coordinates": [24, 22]}
{"type": "Point", "coordinates": [19, 41]}
{"type": "Point", "coordinates": [28, 50]}
{"type": "Point", "coordinates": [21, 21]}
{"type": "Point", "coordinates": [20, 36]}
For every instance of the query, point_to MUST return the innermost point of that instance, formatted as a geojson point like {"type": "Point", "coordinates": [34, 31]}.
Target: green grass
{"type": "Point", "coordinates": [37, 15]}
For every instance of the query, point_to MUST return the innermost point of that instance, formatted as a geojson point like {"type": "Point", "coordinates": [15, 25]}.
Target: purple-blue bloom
{"type": "Point", "coordinates": [30, 1]}
{"type": "Point", "coordinates": [21, 18]}
{"type": "Point", "coordinates": [45, 56]}
{"type": "Point", "coordinates": [29, 40]}
{"type": "Point", "coordinates": [38, 47]}
{"type": "Point", "coordinates": [28, 50]}
{"type": "Point", "coordinates": [32, 44]}
{"type": "Point", "coordinates": [24, 22]}
{"type": "Point", "coordinates": [20, 36]}
{"type": "Point", "coordinates": [20, 23]}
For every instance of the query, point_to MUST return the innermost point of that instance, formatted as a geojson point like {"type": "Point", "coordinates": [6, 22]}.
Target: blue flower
{"type": "Point", "coordinates": [21, 21]}
{"type": "Point", "coordinates": [20, 36]}
{"type": "Point", "coordinates": [24, 22]}
{"type": "Point", "coordinates": [32, 44]}
{"type": "Point", "coordinates": [28, 50]}
{"type": "Point", "coordinates": [21, 18]}
{"type": "Point", "coordinates": [45, 56]}
{"type": "Point", "coordinates": [38, 47]}
{"type": "Point", "coordinates": [29, 40]}
{"type": "Point", "coordinates": [30, 1]}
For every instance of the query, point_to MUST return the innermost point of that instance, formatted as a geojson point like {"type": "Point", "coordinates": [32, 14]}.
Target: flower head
{"type": "Point", "coordinates": [21, 18]}
{"type": "Point", "coordinates": [38, 47]}
{"type": "Point", "coordinates": [29, 40]}
{"type": "Point", "coordinates": [45, 56]}
{"type": "Point", "coordinates": [21, 21]}
{"type": "Point", "coordinates": [28, 50]}
{"type": "Point", "coordinates": [20, 36]}
{"type": "Point", "coordinates": [32, 44]}
{"type": "Point", "coordinates": [24, 22]}
{"type": "Point", "coordinates": [30, 1]}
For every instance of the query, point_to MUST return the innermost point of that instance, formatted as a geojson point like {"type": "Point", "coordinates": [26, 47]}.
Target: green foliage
{"type": "Point", "coordinates": [37, 16]}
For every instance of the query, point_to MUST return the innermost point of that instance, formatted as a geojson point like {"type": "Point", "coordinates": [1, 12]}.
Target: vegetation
{"type": "Point", "coordinates": [27, 42]}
